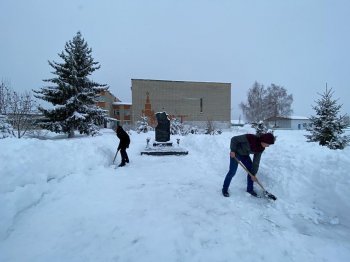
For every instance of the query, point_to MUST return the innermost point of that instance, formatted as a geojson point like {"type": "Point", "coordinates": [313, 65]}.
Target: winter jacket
{"type": "Point", "coordinates": [241, 146]}
{"type": "Point", "coordinates": [123, 137]}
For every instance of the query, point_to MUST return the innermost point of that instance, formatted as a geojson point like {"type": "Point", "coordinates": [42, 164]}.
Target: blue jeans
{"type": "Point", "coordinates": [232, 171]}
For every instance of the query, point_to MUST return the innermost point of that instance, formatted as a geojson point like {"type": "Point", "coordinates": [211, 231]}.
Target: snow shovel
{"type": "Point", "coordinates": [266, 194]}
{"type": "Point", "coordinates": [115, 156]}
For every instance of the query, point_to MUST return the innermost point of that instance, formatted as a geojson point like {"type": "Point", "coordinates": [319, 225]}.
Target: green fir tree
{"type": "Point", "coordinates": [72, 93]}
{"type": "Point", "coordinates": [326, 127]}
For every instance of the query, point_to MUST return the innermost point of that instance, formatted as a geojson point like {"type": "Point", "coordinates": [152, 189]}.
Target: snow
{"type": "Point", "coordinates": [298, 117]}
{"type": "Point", "coordinates": [61, 200]}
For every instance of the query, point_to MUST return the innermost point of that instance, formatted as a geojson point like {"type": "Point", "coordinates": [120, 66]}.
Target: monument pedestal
{"type": "Point", "coordinates": [163, 143]}
{"type": "Point", "coordinates": [163, 146]}
{"type": "Point", "coordinates": [164, 149]}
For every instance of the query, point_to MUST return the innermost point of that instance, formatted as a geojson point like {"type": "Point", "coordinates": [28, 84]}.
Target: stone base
{"type": "Point", "coordinates": [163, 144]}
{"type": "Point", "coordinates": [164, 151]}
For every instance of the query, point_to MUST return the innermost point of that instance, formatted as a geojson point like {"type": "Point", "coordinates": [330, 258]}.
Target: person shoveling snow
{"type": "Point", "coordinates": [241, 147]}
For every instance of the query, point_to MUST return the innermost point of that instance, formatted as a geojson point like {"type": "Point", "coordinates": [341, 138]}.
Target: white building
{"type": "Point", "coordinates": [288, 122]}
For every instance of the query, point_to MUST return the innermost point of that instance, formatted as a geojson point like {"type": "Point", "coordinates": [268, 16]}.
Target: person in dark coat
{"type": "Point", "coordinates": [123, 144]}
{"type": "Point", "coordinates": [241, 147]}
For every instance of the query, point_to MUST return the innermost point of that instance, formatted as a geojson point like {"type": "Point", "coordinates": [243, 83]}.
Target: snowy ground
{"type": "Point", "coordinates": [62, 201]}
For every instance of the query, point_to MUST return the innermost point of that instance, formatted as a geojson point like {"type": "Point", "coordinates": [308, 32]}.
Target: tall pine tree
{"type": "Point", "coordinates": [72, 93]}
{"type": "Point", "coordinates": [327, 126]}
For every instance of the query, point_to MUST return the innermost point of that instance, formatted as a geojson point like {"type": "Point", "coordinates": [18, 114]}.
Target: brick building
{"type": "Point", "coordinates": [116, 109]}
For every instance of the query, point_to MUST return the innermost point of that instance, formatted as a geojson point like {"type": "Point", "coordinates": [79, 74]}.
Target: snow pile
{"type": "Point", "coordinates": [62, 201]}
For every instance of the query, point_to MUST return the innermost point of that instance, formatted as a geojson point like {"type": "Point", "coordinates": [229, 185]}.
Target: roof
{"type": "Point", "coordinates": [177, 81]}
{"type": "Point", "coordinates": [122, 103]}
{"type": "Point", "coordinates": [299, 117]}
{"type": "Point", "coordinates": [287, 118]}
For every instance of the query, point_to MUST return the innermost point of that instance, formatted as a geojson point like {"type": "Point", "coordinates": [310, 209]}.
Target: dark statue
{"type": "Point", "coordinates": [163, 127]}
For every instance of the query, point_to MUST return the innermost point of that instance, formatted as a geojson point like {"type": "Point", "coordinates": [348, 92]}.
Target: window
{"type": "Point", "coordinates": [201, 105]}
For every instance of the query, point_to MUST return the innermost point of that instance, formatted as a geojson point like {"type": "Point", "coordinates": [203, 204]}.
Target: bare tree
{"type": "Point", "coordinates": [6, 129]}
{"type": "Point", "coordinates": [20, 112]}
{"type": "Point", "coordinates": [278, 101]}
{"type": "Point", "coordinates": [4, 97]}
{"type": "Point", "coordinates": [264, 103]}
{"type": "Point", "coordinates": [254, 109]}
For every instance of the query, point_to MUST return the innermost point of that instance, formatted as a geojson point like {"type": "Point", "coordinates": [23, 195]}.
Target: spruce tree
{"type": "Point", "coordinates": [327, 126]}
{"type": "Point", "coordinates": [142, 125]}
{"type": "Point", "coordinates": [176, 127]}
{"type": "Point", "coordinates": [72, 93]}
{"type": "Point", "coordinates": [260, 128]}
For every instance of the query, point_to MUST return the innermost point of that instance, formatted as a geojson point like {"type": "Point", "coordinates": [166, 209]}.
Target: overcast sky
{"type": "Point", "coordinates": [298, 44]}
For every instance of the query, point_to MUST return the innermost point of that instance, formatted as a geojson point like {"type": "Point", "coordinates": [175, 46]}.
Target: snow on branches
{"type": "Point", "coordinates": [327, 126]}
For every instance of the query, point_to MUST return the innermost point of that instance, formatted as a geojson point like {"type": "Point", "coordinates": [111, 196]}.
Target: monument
{"type": "Point", "coordinates": [162, 144]}
{"type": "Point", "coordinates": [163, 127]}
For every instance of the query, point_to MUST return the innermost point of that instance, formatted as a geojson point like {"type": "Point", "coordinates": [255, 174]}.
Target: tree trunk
{"type": "Point", "coordinates": [71, 133]}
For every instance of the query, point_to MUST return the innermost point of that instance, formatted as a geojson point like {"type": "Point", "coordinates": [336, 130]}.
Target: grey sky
{"type": "Point", "coordinates": [299, 44]}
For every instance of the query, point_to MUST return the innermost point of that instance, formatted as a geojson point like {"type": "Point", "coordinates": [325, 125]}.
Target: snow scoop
{"type": "Point", "coordinates": [266, 194]}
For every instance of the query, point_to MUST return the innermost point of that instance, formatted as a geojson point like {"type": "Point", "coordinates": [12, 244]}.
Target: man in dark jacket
{"type": "Point", "coordinates": [123, 144]}
{"type": "Point", "coordinates": [241, 147]}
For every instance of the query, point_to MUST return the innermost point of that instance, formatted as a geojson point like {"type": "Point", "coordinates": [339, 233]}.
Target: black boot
{"type": "Point", "coordinates": [225, 193]}
{"type": "Point", "coordinates": [122, 164]}
{"type": "Point", "coordinates": [253, 193]}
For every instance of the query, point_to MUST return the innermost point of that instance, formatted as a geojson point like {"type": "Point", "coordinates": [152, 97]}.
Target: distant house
{"type": "Point", "coordinates": [122, 112]}
{"type": "Point", "coordinates": [288, 122]}
{"type": "Point", "coordinates": [106, 100]}
{"type": "Point", "coordinates": [119, 112]}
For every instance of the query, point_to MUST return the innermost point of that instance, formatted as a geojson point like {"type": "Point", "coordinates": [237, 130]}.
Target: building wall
{"type": "Point", "coordinates": [106, 100]}
{"type": "Point", "coordinates": [300, 123]}
{"type": "Point", "coordinates": [116, 109]}
{"type": "Point", "coordinates": [122, 112]}
{"type": "Point", "coordinates": [280, 123]}
{"type": "Point", "coordinates": [288, 123]}
{"type": "Point", "coordinates": [195, 102]}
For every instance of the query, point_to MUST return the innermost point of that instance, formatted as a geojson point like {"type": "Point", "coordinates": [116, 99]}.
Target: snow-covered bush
{"type": "Point", "coordinates": [6, 130]}
{"type": "Point", "coordinates": [38, 133]}
{"type": "Point", "coordinates": [211, 129]}
{"type": "Point", "coordinates": [193, 130]}
{"type": "Point", "coordinates": [339, 142]}
{"type": "Point", "coordinates": [261, 128]}
{"type": "Point", "coordinates": [176, 127]}
{"type": "Point", "coordinates": [142, 125]}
